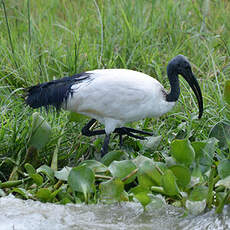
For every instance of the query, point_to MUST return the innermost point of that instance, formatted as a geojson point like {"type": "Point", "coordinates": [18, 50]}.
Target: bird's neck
{"type": "Point", "coordinates": [174, 93]}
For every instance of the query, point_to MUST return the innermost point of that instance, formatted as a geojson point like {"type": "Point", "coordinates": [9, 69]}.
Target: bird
{"type": "Point", "coordinates": [115, 97]}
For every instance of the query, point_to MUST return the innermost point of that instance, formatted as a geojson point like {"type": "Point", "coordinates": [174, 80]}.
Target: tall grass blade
{"type": "Point", "coordinates": [9, 33]}
{"type": "Point", "coordinates": [102, 32]}
{"type": "Point", "coordinates": [29, 22]}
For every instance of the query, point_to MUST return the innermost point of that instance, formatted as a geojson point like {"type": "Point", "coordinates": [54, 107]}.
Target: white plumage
{"type": "Point", "coordinates": [115, 97]}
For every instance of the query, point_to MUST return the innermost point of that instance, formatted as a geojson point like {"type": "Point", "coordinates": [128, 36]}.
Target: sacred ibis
{"type": "Point", "coordinates": [115, 97]}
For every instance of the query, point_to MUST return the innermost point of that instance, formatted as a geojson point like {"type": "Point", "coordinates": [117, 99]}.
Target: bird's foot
{"type": "Point", "coordinates": [131, 133]}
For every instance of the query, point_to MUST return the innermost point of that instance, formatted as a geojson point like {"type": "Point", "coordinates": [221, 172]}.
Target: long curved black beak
{"type": "Point", "coordinates": [192, 81]}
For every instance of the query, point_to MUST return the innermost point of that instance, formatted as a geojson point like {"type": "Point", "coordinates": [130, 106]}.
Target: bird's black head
{"type": "Point", "coordinates": [180, 65]}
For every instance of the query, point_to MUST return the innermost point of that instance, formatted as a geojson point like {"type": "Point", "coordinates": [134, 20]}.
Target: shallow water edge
{"type": "Point", "coordinates": [17, 214]}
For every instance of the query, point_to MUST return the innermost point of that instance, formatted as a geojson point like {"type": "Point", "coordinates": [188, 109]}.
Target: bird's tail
{"type": "Point", "coordinates": [53, 93]}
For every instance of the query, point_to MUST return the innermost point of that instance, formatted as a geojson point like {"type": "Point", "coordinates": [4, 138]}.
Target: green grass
{"type": "Point", "coordinates": [44, 40]}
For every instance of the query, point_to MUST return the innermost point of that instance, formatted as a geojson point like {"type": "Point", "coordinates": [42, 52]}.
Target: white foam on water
{"type": "Point", "coordinates": [17, 214]}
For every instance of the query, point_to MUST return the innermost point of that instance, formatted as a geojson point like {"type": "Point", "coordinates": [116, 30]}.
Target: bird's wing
{"type": "Point", "coordinates": [118, 94]}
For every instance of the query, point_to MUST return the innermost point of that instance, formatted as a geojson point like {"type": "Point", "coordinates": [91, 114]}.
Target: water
{"type": "Point", "coordinates": [19, 214]}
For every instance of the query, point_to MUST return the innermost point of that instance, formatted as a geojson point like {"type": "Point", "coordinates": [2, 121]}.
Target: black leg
{"type": "Point", "coordinates": [120, 131]}
{"type": "Point", "coordinates": [87, 132]}
{"type": "Point", "coordinates": [120, 140]}
{"type": "Point", "coordinates": [105, 146]}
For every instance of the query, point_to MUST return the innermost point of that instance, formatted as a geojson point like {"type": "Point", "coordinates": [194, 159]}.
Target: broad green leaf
{"type": "Point", "coordinates": [44, 195]}
{"type": "Point", "coordinates": [29, 168]}
{"type": "Point", "coordinates": [41, 131]}
{"type": "Point", "coordinates": [183, 151]}
{"type": "Point", "coordinates": [38, 179]}
{"type": "Point", "coordinates": [182, 173]}
{"type": "Point", "coordinates": [96, 166]}
{"type": "Point", "coordinates": [208, 153]}
{"type": "Point", "coordinates": [170, 161]}
{"type": "Point", "coordinates": [199, 193]}
{"type": "Point", "coordinates": [169, 183]}
{"type": "Point", "coordinates": [151, 142]}
{"type": "Point", "coordinates": [47, 171]}
{"type": "Point", "coordinates": [224, 169]}
{"type": "Point", "coordinates": [221, 131]}
{"type": "Point", "coordinates": [227, 91]}
{"type": "Point", "coordinates": [150, 173]}
{"type": "Point", "coordinates": [76, 117]}
{"type": "Point", "coordinates": [140, 159]}
{"type": "Point", "coordinates": [112, 156]}
{"type": "Point", "coordinates": [81, 179]}
{"type": "Point", "coordinates": [159, 169]}
{"type": "Point", "coordinates": [198, 147]}
{"type": "Point", "coordinates": [141, 194]}
{"type": "Point", "coordinates": [112, 190]}
{"type": "Point", "coordinates": [63, 174]}
{"type": "Point", "coordinates": [121, 169]}
{"type": "Point", "coordinates": [196, 172]}
{"type": "Point", "coordinates": [224, 182]}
